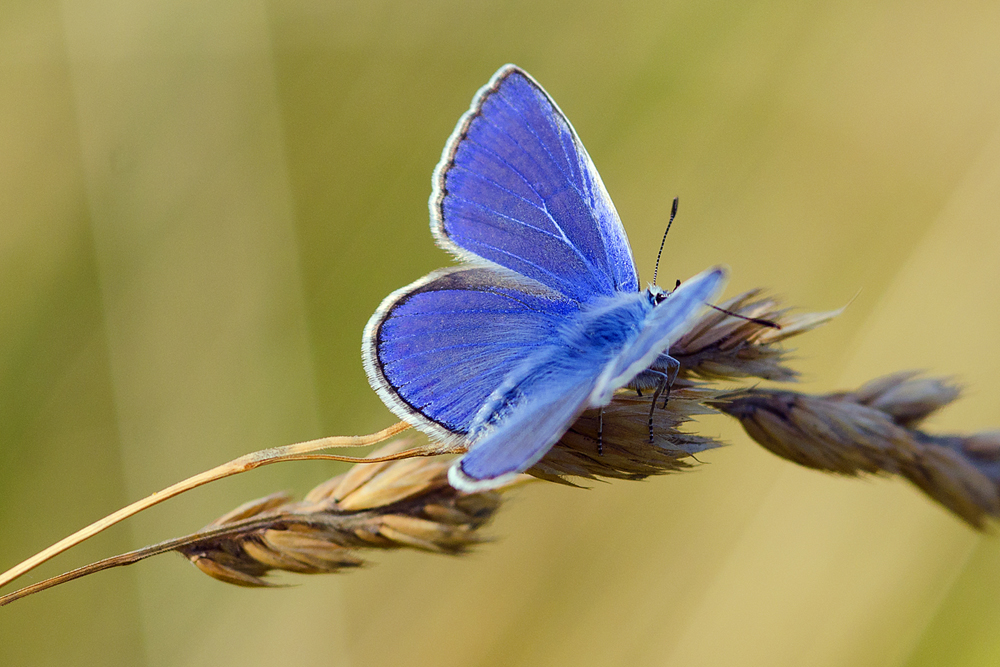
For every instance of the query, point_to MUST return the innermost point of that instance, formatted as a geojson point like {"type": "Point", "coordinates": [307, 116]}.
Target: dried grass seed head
{"type": "Point", "coordinates": [871, 430]}
{"type": "Point", "coordinates": [397, 504]}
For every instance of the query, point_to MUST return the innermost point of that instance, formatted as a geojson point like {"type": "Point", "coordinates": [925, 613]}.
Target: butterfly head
{"type": "Point", "coordinates": [656, 294]}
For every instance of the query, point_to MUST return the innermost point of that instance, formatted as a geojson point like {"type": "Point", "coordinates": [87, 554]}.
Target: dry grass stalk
{"type": "Point", "coordinates": [402, 503]}
{"type": "Point", "coordinates": [399, 504]}
{"type": "Point", "coordinates": [407, 503]}
{"type": "Point", "coordinates": [874, 430]}
{"type": "Point", "coordinates": [300, 451]}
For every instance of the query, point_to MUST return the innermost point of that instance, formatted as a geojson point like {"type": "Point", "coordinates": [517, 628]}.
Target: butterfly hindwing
{"type": "Point", "coordinates": [435, 350]}
{"type": "Point", "coordinates": [523, 437]}
{"type": "Point", "coordinates": [516, 187]}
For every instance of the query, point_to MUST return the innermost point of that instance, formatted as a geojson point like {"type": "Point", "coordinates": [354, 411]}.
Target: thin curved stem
{"type": "Point", "coordinates": [297, 452]}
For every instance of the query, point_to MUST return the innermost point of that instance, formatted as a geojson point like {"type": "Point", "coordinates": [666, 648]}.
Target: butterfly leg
{"type": "Point", "coordinates": [600, 432]}
{"type": "Point", "coordinates": [673, 368]}
{"type": "Point", "coordinates": [664, 386]}
{"type": "Point", "coordinates": [656, 395]}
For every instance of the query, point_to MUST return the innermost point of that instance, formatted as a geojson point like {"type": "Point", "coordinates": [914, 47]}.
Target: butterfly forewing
{"type": "Point", "coordinates": [516, 187]}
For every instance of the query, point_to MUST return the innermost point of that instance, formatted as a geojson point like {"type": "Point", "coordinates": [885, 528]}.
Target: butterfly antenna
{"type": "Point", "coordinates": [755, 320]}
{"type": "Point", "coordinates": [673, 214]}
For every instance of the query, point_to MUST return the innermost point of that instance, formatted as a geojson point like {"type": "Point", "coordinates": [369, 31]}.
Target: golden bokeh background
{"type": "Point", "coordinates": [202, 203]}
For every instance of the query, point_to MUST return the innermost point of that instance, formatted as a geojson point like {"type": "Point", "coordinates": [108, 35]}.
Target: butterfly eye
{"type": "Point", "coordinates": [656, 295]}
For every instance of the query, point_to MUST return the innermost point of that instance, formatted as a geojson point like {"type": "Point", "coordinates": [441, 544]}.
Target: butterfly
{"type": "Point", "coordinates": [544, 317]}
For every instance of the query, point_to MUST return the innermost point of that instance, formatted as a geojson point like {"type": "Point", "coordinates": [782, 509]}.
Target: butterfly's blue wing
{"type": "Point", "coordinates": [436, 350]}
{"type": "Point", "coordinates": [516, 187]}
{"type": "Point", "coordinates": [545, 409]}
{"type": "Point", "coordinates": [528, 414]}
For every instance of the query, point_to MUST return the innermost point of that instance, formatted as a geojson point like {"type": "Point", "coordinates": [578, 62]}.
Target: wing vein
{"type": "Point", "coordinates": [566, 177]}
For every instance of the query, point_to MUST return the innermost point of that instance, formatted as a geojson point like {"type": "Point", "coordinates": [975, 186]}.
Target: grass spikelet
{"type": "Point", "coordinates": [873, 430]}
{"type": "Point", "coordinates": [625, 451]}
{"type": "Point", "coordinates": [389, 505]}
{"type": "Point", "coordinates": [723, 347]}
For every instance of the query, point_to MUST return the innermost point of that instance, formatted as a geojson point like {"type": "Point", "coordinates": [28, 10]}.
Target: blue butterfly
{"type": "Point", "coordinates": [544, 317]}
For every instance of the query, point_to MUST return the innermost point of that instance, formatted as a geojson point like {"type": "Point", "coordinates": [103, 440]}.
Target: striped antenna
{"type": "Point", "coordinates": [673, 214]}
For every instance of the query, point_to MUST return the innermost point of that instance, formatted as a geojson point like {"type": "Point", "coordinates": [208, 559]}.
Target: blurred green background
{"type": "Point", "coordinates": [202, 203]}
